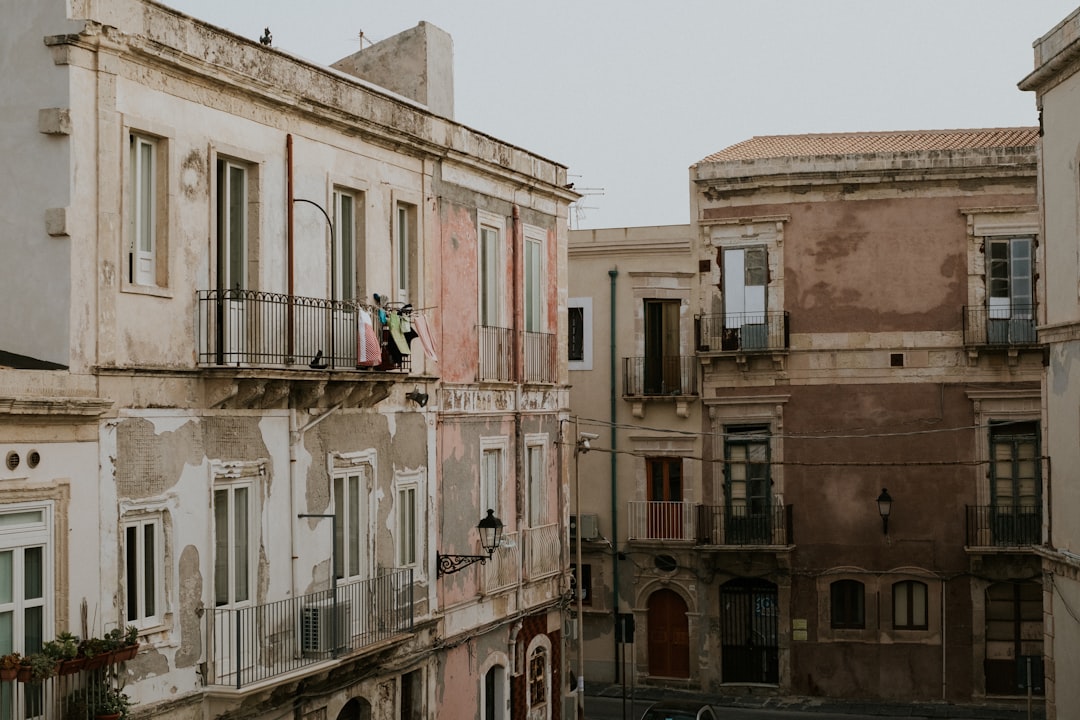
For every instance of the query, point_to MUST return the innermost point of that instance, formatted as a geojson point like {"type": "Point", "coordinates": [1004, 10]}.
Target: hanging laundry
{"type": "Point", "coordinates": [369, 349]}
{"type": "Point", "coordinates": [394, 323]}
{"type": "Point", "coordinates": [419, 324]}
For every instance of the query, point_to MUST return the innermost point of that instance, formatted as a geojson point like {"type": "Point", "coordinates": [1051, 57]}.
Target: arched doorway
{"type": "Point", "coordinates": [355, 709]}
{"type": "Point", "coordinates": [669, 635]}
{"type": "Point", "coordinates": [749, 617]}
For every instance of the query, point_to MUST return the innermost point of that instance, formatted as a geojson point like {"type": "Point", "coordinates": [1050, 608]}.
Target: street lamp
{"type": "Point", "coordinates": [884, 507]}
{"type": "Point", "coordinates": [491, 529]}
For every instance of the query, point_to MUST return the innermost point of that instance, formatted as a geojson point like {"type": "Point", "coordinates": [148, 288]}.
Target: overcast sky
{"type": "Point", "coordinates": [628, 94]}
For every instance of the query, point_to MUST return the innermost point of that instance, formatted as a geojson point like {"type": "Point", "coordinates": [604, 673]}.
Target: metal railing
{"type": "Point", "coordinates": [742, 332]}
{"type": "Point", "coordinates": [69, 696]}
{"type": "Point", "coordinates": [1003, 525]}
{"type": "Point", "coordinates": [263, 329]}
{"type": "Point", "coordinates": [541, 363]}
{"type": "Point", "coordinates": [709, 524]}
{"type": "Point", "coordinates": [661, 520]}
{"type": "Point", "coordinates": [739, 525]}
{"type": "Point", "coordinates": [496, 353]}
{"type": "Point", "coordinates": [503, 568]}
{"type": "Point", "coordinates": [542, 550]}
{"type": "Point", "coordinates": [1004, 326]}
{"type": "Point", "coordinates": [672, 375]}
{"type": "Point", "coordinates": [251, 644]}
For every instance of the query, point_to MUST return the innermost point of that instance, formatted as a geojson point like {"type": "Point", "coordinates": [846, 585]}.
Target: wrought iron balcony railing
{"type": "Point", "coordinates": [256, 643]}
{"type": "Point", "coordinates": [503, 568]}
{"type": "Point", "coordinates": [710, 524]}
{"type": "Point", "coordinates": [541, 361]}
{"type": "Point", "coordinates": [496, 353]}
{"type": "Point", "coordinates": [742, 332]}
{"type": "Point", "coordinates": [655, 375]}
{"type": "Point", "coordinates": [261, 329]}
{"type": "Point", "coordinates": [69, 695]}
{"type": "Point", "coordinates": [1001, 326]}
{"type": "Point", "coordinates": [1003, 526]}
{"type": "Point", "coordinates": [542, 550]}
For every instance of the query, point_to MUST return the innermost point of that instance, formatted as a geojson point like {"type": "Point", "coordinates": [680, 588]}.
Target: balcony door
{"type": "Point", "coordinates": [745, 281]}
{"type": "Point", "coordinates": [1015, 483]}
{"type": "Point", "coordinates": [747, 486]}
{"type": "Point", "coordinates": [662, 367]}
{"type": "Point", "coordinates": [232, 252]}
{"type": "Point", "coordinates": [1010, 305]}
{"type": "Point", "coordinates": [665, 498]}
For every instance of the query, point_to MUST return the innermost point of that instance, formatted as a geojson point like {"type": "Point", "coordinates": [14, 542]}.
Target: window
{"type": "Point", "coordinates": [585, 582]}
{"type": "Point", "coordinates": [536, 479]}
{"type": "Point", "coordinates": [350, 515]}
{"type": "Point", "coordinates": [534, 280]}
{"type": "Point", "coordinates": [233, 543]}
{"type": "Point", "coordinates": [909, 605]}
{"type": "Point", "coordinates": [1015, 483]}
{"type": "Point", "coordinates": [232, 225]}
{"type": "Point", "coordinates": [579, 328]}
{"type": "Point", "coordinates": [405, 253]}
{"type": "Point", "coordinates": [1009, 291]}
{"type": "Point", "coordinates": [747, 485]}
{"type": "Point", "coordinates": [492, 452]}
{"type": "Point", "coordinates": [662, 369]}
{"type": "Point", "coordinates": [406, 525]}
{"type": "Point", "coordinates": [146, 256]}
{"type": "Point", "coordinates": [25, 578]}
{"type": "Point", "coordinates": [538, 677]}
{"type": "Point", "coordinates": [346, 258]}
{"type": "Point", "coordinates": [848, 609]}
{"type": "Point", "coordinates": [490, 287]}
{"type": "Point", "coordinates": [745, 281]}
{"type": "Point", "coordinates": [142, 570]}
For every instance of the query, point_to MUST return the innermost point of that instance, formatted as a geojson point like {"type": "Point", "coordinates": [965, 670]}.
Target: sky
{"type": "Point", "coordinates": [628, 94]}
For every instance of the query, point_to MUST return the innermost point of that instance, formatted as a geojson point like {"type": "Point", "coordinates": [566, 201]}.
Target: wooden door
{"type": "Point", "coordinates": [669, 635]}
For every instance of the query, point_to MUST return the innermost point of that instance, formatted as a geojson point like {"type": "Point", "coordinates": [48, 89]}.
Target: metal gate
{"type": "Point", "coordinates": [749, 619]}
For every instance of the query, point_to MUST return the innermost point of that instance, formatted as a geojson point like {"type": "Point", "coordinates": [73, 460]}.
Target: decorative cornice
{"type": "Point", "coordinates": [54, 406]}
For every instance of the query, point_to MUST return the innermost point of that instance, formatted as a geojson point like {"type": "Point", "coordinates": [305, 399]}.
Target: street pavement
{"type": "Point", "coordinates": [606, 703]}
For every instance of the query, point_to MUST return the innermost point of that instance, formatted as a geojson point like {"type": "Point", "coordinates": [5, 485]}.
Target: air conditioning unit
{"type": "Point", "coordinates": [317, 626]}
{"type": "Point", "coordinates": [590, 526]}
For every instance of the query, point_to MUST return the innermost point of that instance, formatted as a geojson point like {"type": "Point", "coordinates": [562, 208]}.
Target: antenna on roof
{"type": "Point", "coordinates": [577, 206]}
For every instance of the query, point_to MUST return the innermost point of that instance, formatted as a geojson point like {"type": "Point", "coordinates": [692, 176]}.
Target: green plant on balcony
{"type": "Point", "coordinates": [64, 647]}
{"type": "Point", "coordinates": [9, 665]}
{"type": "Point", "coordinates": [99, 700]}
{"type": "Point", "coordinates": [37, 667]}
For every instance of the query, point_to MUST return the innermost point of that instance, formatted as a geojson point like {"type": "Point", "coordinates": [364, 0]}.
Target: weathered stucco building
{"type": "Point", "coordinates": [846, 314]}
{"type": "Point", "coordinates": [1055, 83]}
{"type": "Point", "coordinates": [273, 339]}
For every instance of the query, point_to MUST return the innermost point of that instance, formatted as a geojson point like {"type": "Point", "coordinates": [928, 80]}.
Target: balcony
{"type": "Point", "coordinates": [709, 525]}
{"type": "Point", "coordinates": [249, 328]}
{"type": "Point", "coordinates": [496, 354]}
{"type": "Point", "coordinates": [503, 568]}
{"type": "Point", "coordinates": [261, 642]}
{"type": "Point", "coordinates": [1003, 526]}
{"type": "Point", "coordinates": [542, 551]}
{"type": "Point", "coordinates": [541, 361]}
{"type": "Point", "coordinates": [76, 695]}
{"type": "Point", "coordinates": [1006, 326]}
{"type": "Point", "coordinates": [655, 376]}
{"type": "Point", "coordinates": [740, 333]}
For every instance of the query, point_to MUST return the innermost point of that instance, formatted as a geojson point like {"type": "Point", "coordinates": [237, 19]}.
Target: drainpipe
{"type": "Point", "coordinates": [289, 241]}
{"type": "Point", "coordinates": [612, 274]}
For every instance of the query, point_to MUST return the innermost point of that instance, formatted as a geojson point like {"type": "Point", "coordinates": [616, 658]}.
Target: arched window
{"type": "Point", "coordinates": [909, 605]}
{"type": "Point", "coordinates": [538, 677]}
{"type": "Point", "coordinates": [847, 604]}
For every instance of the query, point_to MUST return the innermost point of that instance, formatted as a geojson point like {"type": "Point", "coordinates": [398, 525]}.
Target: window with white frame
{"type": "Point", "coordinates": [408, 520]}
{"type": "Point", "coordinates": [405, 253]}
{"type": "Point", "coordinates": [347, 257]}
{"type": "Point", "coordinates": [579, 329]}
{"type": "Point", "coordinates": [492, 471]}
{"type": "Point", "coordinates": [489, 263]}
{"type": "Point", "coordinates": [233, 188]}
{"type": "Point", "coordinates": [26, 577]}
{"type": "Point", "coordinates": [234, 542]}
{"type": "Point", "coordinates": [143, 569]}
{"type": "Point", "coordinates": [534, 279]}
{"type": "Point", "coordinates": [351, 514]}
{"type": "Point", "coordinates": [536, 478]}
{"type": "Point", "coordinates": [147, 259]}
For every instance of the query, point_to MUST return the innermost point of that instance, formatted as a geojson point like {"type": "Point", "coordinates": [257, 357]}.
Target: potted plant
{"type": "Point", "coordinates": [130, 645]}
{"type": "Point", "coordinates": [65, 649]}
{"type": "Point", "coordinates": [109, 703]}
{"type": "Point", "coordinates": [9, 665]}
{"type": "Point", "coordinates": [36, 667]}
{"type": "Point", "coordinates": [97, 652]}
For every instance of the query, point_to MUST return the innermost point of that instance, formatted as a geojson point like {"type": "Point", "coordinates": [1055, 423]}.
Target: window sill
{"type": "Point", "coordinates": [153, 291]}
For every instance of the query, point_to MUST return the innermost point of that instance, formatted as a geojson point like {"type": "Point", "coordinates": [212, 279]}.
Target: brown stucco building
{"type": "Point", "coordinates": [861, 313]}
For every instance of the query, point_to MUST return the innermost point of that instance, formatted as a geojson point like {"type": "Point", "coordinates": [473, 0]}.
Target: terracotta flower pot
{"type": "Point", "coordinates": [69, 667]}
{"type": "Point", "coordinates": [108, 716]}
{"type": "Point", "coordinates": [24, 674]}
{"type": "Point", "coordinates": [98, 661]}
{"type": "Point", "coordinates": [8, 673]}
{"type": "Point", "coordinates": [125, 653]}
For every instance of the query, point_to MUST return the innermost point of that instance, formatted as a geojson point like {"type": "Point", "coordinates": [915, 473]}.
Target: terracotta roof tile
{"type": "Point", "coordinates": [865, 143]}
